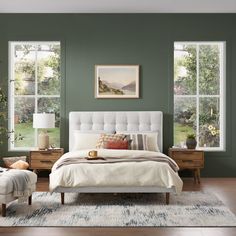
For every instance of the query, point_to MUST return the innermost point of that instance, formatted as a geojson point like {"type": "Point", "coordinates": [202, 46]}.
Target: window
{"type": "Point", "coordinates": [199, 77]}
{"type": "Point", "coordinates": [34, 87]}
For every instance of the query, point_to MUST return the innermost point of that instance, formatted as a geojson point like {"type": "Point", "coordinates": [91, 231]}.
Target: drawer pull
{"type": "Point", "coordinates": [46, 162]}
{"type": "Point", "coordinates": [189, 161]}
{"type": "Point", "coordinates": [45, 153]}
{"type": "Point", "coordinates": [188, 153]}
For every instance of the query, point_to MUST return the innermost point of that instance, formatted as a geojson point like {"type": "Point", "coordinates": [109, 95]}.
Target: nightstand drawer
{"type": "Point", "coordinates": [190, 164]}
{"type": "Point", "coordinates": [188, 159]}
{"type": "Point", "coordinates": [188, 155]}
{"type": "Point", "coordinates": [44, 159]}
{"type": "Point", "coordinates": [45, 155]}
{"type": "Point", "coordinates": [42, 164]}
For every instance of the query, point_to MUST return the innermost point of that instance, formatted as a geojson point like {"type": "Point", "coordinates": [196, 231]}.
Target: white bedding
{"type": "Point", "coordinates": [124, 174]}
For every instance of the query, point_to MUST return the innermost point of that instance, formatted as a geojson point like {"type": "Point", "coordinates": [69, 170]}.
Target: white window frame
{"type": "Point", "coordinates": [12, 96]}
{"type": "Point", "coordinates": [221, 96]}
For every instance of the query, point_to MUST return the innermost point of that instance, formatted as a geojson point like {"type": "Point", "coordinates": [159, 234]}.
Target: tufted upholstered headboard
{"type": "Point", "coordinates": [144, 121]}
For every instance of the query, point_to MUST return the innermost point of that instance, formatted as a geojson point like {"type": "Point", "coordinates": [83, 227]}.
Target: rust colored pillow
{"type": "Point", "coordinates": [124, 144]}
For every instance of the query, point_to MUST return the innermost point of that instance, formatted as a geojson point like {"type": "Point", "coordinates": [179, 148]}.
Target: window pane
{"type": "Point", "coordinates": [49, 69]}
{"type": "Point", "coordinates": [51, 105]}
{"type": "Point", "coordinates": [209, 69]}
{"type": "Point", "coordinates": [24, 109]}
{"type": "Point", "coordinates": [185, 69]}
{"type": "Point", "coordinates": [24, 76]}
{"type": "Point", "coordinates": [209, 115]}
{"type": "Point", "coordinates": [184, 119]}
{"type": "Point", "coordinates": [34, 78]}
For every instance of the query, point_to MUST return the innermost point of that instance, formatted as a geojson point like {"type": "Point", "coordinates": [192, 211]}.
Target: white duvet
{"type": "Point", "coordinates": [124, 174]}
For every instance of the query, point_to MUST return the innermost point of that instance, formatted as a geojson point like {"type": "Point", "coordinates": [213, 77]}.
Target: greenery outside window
{"type": "Point", "coordinates": [199, 95]}
{"type": "Point", "coordinates": [34, 87]}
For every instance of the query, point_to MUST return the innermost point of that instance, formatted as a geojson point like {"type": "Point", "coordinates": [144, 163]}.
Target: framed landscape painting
{"type": "Point", "coordinates": [117, 81]}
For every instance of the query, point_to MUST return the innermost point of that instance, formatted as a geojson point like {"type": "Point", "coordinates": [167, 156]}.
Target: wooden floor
{"type": "Point", "coordinates": [223, 188]}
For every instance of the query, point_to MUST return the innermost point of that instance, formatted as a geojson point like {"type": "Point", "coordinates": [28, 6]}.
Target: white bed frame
{"type": "Point", "coordinates": [133, 121]}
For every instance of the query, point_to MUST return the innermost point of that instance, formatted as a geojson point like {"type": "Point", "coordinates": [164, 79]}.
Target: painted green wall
{"type": "Point", "coordinates": [144, 39]}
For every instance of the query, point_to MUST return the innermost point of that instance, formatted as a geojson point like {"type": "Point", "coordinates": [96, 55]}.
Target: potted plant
{"type": "Point", "coordinates": [191, 142]}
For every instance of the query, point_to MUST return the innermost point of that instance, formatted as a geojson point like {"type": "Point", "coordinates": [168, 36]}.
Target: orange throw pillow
{"type": "Point", "coordinates": [124, 144]}
{"type": "Point", "coordinates": [21, 165]}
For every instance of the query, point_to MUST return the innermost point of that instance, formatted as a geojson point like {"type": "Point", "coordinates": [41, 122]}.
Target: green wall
{"type": "Point", "coordinates": [144, 39]}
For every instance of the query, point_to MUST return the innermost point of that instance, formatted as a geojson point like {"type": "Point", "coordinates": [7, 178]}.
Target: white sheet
{"type": "Point", "coordinates": [135, 174]}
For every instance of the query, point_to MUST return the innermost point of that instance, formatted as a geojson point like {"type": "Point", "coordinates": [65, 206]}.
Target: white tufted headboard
{"type": "Point", "coordinates": [116, 121]}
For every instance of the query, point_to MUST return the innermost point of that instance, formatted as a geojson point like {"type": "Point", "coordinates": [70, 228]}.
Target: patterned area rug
{"type": "Point", "coordinates": [187, 209]}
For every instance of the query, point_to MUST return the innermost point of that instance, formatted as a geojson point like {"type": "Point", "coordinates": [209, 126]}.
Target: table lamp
{"type": "Point", "coordinates": [43, 121]}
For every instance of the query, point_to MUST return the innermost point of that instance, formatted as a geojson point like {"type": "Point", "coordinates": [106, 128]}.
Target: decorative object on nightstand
{"type": "Point", "coordinates": [43, 121]}
{"type": "Point", "coordinates": [44, 159]}
{"type": "Point", "coordinates": [191, 142]}
{"type": "Point", "coordinates": [190, 159]}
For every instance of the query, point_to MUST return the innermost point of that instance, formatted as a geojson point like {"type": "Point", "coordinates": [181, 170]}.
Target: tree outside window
{"type": "Point", "coordinates": [34, 88]}
{"type": "Point", "coordinates": [198, 93]}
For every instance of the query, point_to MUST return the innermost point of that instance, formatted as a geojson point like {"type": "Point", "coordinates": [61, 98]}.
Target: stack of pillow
{"type": "Point", "coordinates": [120, 140]}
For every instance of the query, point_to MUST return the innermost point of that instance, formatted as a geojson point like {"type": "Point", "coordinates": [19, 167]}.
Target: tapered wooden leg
{"type": "Point", "coordinates": [198, 175]}
{"type": "Point", "coordinates": [30, 200]}
{"type": "Point", "coordinates": [62, 198]}
{"type": "Point", "coordinates": [195, 175]}
{"type": "Point", "coordinates": [4, 210]}
{"type": "Point", "coordinates": [167, 198]}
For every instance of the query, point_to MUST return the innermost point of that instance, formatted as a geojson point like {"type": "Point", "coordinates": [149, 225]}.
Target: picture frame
{"type": "Point", "coordinates": [117, 81]}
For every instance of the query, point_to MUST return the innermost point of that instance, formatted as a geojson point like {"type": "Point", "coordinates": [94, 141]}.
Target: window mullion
{"type": "Point", "coordinates": [12, 97]}
{"type": "Point", "coordinates": [36, 94]}
{"type": "Point", "coordinates": [222, 97]}
{"type": "Point", "coordinates": [197, 98]}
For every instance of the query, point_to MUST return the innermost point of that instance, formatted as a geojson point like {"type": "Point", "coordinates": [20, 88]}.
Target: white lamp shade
{"type": "Point", "coordinates": [44, 120]}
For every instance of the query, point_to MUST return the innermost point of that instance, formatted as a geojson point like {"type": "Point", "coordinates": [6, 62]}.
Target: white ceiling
{"type": "Point", "coordinates": [117, 6]}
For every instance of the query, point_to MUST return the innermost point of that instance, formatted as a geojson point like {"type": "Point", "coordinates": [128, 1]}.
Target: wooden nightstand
{"type": "Point", "coordinates": [188, 159]}
{"type": "Point", "coordinates": [44, 159]}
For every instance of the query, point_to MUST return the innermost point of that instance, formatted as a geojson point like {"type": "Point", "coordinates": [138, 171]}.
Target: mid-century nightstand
{"type": "Point", "coordinates": [188, 159]}
{"type": "Point", "coordinates": [44, 159]}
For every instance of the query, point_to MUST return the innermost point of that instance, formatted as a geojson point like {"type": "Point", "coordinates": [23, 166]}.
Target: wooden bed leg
{"type": "Point", "coordinates": [4, 210]}
{"type": "Point", "coordinates": [30, 200]}
{"type": "Point", "coordinates": [167, 198]}
{"type": "Point", "coordinates": [62, 198]}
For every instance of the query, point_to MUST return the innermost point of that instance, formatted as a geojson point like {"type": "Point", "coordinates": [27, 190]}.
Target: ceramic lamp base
{"type": "Point", "coordinates": [43, 141]}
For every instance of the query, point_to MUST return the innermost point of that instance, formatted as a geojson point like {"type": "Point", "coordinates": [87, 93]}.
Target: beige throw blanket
{"type": "Point", "coordinates": [21, 183]}
{"type": "Point", "coordinates": [79, 160]}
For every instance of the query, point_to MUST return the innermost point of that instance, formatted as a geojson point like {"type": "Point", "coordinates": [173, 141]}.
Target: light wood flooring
{"type": "Point", "coordinates": [223, 188]}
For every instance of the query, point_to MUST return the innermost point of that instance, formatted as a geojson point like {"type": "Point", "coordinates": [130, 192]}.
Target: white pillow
{"type": "Point", "coordinates": [85, 140]}
{"type": "Point", "coordinates": [151, 138]}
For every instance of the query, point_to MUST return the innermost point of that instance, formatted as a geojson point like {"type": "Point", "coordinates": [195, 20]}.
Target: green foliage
{"type": "Point", "coordinates": [48, 77]}
{"type": "Point", "coordinates": [27, 130]}
{"type": "Point", "coordinates": [4, 132]}
{"type": "Point", "coordinates": [209, 78]}
{"type": "Point", "coordinates": [209, 69]}
{"type": "Point", "coordinates": [191, 136]}
{"type": "Point", "coordinates": [180, 132]}
{"type": "Point", "coordinates": [3, 115]}
{"type": "Point", "coordinates": [187, 85]}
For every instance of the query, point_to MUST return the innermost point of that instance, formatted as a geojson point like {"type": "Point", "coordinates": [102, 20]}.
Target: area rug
{"type": "Point", "coordinates": [188, 209]}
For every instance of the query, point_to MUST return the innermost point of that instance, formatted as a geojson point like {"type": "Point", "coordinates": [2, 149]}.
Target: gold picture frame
{"type": "Point", "coordinates": [117, 81]}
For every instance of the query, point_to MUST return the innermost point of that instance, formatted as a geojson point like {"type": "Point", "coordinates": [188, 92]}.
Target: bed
{"type": "Point", "coordinates": [133, 176]}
